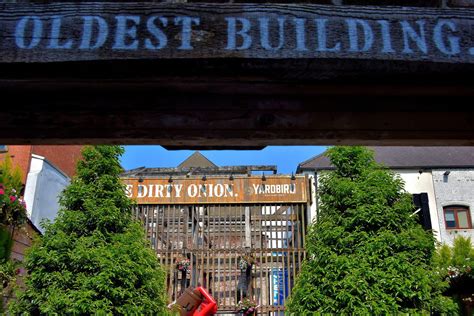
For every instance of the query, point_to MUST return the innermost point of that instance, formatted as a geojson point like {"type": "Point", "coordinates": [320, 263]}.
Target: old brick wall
{"type": "Point", "coordinates": [63, 157]}
{"type": "Point", "coordinates": [20, 155]}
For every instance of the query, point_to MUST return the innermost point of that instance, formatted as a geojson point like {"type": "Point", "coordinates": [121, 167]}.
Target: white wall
{"type": "Point", "coordinates": [456, 188]}
{"type": "Point", "coordinates": [44, 183]}
{"type": "Point", "coordinates": [416, 182]}
{"type": "Point", "coordinates": [313, 192]}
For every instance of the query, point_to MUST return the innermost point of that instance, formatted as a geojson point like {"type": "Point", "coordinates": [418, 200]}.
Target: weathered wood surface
{"type": "Point", "coordinates": [22, 240]}
{"type": "Point", "coordinates": [275, 189]}
{"type": "Point", "coordinates": [224, 112]}
{"type": "Point", "coordinates": [193, 101]}
{"type": "Point", "coordinates": [215, 244]}
{"type": "Point", "coordinates": [275, 126]}
{"type": "Point", "coordinates": [123, 31]}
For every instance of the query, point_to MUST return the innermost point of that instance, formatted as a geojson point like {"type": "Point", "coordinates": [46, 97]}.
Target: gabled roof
{"type": "Point", "coordinates": [196, 160]}
{"type": "Point", "coordinates": [196, 164]}
{"type": "Point", "coordinates": [405, 157]}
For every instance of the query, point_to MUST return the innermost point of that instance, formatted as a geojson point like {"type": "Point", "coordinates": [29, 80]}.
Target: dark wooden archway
{"type": "Point", "coordinates": [211, 96]}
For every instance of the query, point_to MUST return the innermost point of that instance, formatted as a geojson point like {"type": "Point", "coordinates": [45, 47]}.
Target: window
{"type": "Point", "coordinates": [421, 202]}
{"type": "Point", "coordinates": [3, 148]}
{"type": "Point", "coordinates": [457, 217]}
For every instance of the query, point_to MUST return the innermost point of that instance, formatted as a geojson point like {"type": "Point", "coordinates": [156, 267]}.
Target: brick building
{"type": "Point", "coordinates": [46, 171]}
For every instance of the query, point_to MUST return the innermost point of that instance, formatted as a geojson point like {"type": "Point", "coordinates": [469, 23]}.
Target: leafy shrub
{"type": "Point", "coordinates": [94, 258]}
{"type": "Point", "coordinates": [12, 215]}
{"type": "Point", "coordinates": [366, 252]}
{"type": "Point", "coordinates": [12, 207]}
{"type": "Point", "coordinates": [5, 244]}
{"type": "Point", "coordinates": [456, 266]}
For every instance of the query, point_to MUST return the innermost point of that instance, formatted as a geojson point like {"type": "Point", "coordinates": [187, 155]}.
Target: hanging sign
{"type": "Point", "coordinates": [106, 31]}
{"type": "Point", "coordinates": [218, 190]}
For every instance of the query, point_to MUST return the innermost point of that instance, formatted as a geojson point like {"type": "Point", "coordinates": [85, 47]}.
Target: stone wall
{"type": "Point", "coordinates": [456, 188]}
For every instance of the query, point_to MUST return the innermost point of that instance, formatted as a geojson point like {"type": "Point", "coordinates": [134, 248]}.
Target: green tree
{"type": "Point", "coordinates": [366, 252]}
{"type": "Point", "coordinates": [94, 258]}
{"type": "Point", "coordinates": [456, 265]}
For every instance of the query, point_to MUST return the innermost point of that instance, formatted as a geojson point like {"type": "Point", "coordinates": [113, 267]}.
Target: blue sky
{"type": "Point", "coordinates": [286, 158]}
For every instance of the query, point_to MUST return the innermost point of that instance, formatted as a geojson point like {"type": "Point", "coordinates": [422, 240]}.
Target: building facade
{"type": "Point", "coordinates": [441, 180]}
{"type": "Point", "coordinates": [46, 171]}
{"type": "Point", "coordinates": [233, 232]}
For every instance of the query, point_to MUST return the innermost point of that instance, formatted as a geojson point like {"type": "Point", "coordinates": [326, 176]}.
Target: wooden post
{"type": "Point", "coordinates": [248, 228]}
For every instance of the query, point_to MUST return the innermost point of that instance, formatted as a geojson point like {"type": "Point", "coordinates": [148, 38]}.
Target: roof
{"type": "Point", "coordinates": [405, 157]}
{"type": "Point", "coordinates": [197, 164]}
{"type": "Point", "coordinates": [224, 170]}
{"type": "Point", "coordinates": [36, 229]}
{"type": "Point", "coordinates": [197, 160]}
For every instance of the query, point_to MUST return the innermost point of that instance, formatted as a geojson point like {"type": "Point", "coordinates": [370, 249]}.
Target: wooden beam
{"type": "Point", "coordinates": [243, 120]}
{"type": "Point", "coordinates": [216, 97]}
{"type": "Point", "coordinates": [248, 228]}
{"type": "Point", "coordinates": [62, 31]}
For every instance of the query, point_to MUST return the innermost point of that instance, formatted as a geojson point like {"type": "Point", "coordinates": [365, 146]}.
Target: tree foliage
{"type": "Point", "coordinates": [366, 252]}
{"type": "Point", "coordinates": [12, 207]}
{"type": "Point", "coordinates": [10, 177]}
{"type": "Point", "coordinates": [93, 259]}
{"type": "Point", "coordinates": [12, 216]}
{"type": "Point", "coordinates": [456, 266]}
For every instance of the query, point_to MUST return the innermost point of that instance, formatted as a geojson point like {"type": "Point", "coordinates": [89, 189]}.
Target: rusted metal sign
{"type": "Point", "coordinates": [218, 190]}
{"type": "Point", "coordinates": [104, 31]}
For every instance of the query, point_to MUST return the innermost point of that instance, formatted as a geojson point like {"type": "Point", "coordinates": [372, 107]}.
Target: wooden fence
{"type": "Point", "coordinates": [214, 238]}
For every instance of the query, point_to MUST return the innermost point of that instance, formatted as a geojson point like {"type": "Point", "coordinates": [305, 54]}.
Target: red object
{"type": "Point", "coordinates": [208, 305]}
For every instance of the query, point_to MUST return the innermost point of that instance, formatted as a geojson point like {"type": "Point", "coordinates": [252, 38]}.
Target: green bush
{"type": "Point", "coordinates": [456, 265]}
{"type": "Point", "coordinates": [94, 258]}
{"type": "Point", "coordinates": [8, 272]}
{"type": "Point", "coordinates": [366, 254]}
{"type": "Point", "coordinates": [12, 216]}
{"type": "Point", "coordinates": [12, 207]}
{"type": "Point", "coordinates": [6, 243]}
{"type": "Point", "coordinates": [10, 177]}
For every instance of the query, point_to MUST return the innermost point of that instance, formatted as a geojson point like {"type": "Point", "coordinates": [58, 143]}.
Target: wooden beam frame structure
{"type": "Point", "coordinates": [235, 75]}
